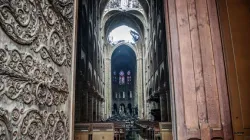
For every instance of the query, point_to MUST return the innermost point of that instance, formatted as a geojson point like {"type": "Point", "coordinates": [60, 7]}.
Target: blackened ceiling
{"type": "Point", "coordinates": [123, 18]}
{"type": "Point", "coordinates": [123, 58]}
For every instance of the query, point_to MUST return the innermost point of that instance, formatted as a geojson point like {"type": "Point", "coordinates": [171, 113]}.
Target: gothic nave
{"type": "Point", "coordinates": [124, 70]}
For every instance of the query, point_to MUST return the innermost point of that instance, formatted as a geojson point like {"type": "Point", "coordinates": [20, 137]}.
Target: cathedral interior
{"type": "Point", "coordinates": [124, 70]}
{"type": "Point", "coordinates": [122, 64]}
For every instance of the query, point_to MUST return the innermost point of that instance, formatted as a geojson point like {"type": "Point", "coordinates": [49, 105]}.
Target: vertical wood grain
{"type": "Point", "coordinates": [205, 132]}
{"type": "Point", "coordinates": [212, 98]}
{"type": "Point", "coordinates": [199, 83]}
{"type": "Point", "coordinates": [198, 70]}
{"type": "Point", "coordinates": [220, 70]}
{"type": "Point", "coordinates": [176, 70]}
{"type": "Point", "coordinates": [187, 66]}
{"type": "Point", "coordinates": [234, 18]}
{"type": "Point", "coordinates": [169, 58]}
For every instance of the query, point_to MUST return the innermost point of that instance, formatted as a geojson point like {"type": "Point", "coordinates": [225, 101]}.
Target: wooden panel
{"type": "Point", "coordinates": [235, 21]}
{"type": "Point", "coordinates": [212, 98]}
{"type": "Point", "coordinates": [166, 130]}
{"type": "Point", "coordinates": [166, 136]}
{"type": "Point", "coordinates": [220, 70]}
{"type": "Point", "coordinates": [201, 100]}
{"type": "Point", "coordinates": [177, 91]}
{"type": "Point", "coordinates": [188, 83]}
{"type": "Point", "coordinates": [103, 135]}
{"type": "Point", "coordinates": [199, 79]}
{"type": "Point", "coordinates": [81, 136]}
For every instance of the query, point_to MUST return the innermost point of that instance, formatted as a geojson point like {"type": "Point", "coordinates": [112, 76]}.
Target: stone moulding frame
{"type": "Point", "coordinates": [200, 101]}
{"type": "Point", "coordinates": [192, 32]}
{"type": "Point", "coordinates": [73, 69]}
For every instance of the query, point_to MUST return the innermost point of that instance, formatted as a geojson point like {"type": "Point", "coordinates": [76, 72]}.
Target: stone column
{"type": "Point", "coordinates": [139, 89]}
{"type": "Point", "coordinates": [163, 107]}
{"type": "Point", "coordinates": [108, 90]}
{"type": "Point", "coordinates": [103, 104]}
{"type": "Point", "coordinates": [85, 105]}
{"type": "Point", "coordinates": [90, 107]}
{"type": "Point", "coordinates": [149, 109]}
{"type": "Point", "coordinates": [98, 110]}
{"type": "Point", "coordinates": [147, 112]}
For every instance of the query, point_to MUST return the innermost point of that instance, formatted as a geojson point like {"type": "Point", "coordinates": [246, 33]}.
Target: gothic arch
{"type": "Point", "coordinates": [120, 44]}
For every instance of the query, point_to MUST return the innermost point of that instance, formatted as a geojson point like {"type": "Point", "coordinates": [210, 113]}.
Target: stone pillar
{"type": "Point", "coordinates": [147, 111]}
{"type": "Point", "coordinates": [163, 107]}
{"type": "Point", "coordinates": [90, 107]}
{"type": "Point", "coordinates": [139, 89]}
{"type": "Point", "coordinates": [103, 104]}
{"type": "Point", "coordinates": [98, 110]}
{"type": "Point", "coordinates": [108, 90]}
{"type": "Point", "coordinates": [85, 105]}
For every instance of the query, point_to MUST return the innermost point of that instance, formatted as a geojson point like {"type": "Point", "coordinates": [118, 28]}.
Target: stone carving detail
{"type": "Point", "coordinates": [29, 72]}
{"type": "Point", "coordinates": [44, 25]}
{"type": "Point", "coordinates": [25, 79]}
{"type": "Point", "coordinates": [33, 124]}
{"type": "Point", "coordinates": [123, 4]}
{"type": "Point", "coordinates": [5, 128]}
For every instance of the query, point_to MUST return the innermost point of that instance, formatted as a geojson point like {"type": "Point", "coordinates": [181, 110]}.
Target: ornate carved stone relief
{"type": "Point", "coordinates": [5, 128]}
{"type": "Point", "coordinates": [25, 79]}
{"type": "Point", "coordinates": [34, 71]}
{"type": "Point", "coordinates": [33, 125]}
{"type": "Point", "coordinates": [45, 25]}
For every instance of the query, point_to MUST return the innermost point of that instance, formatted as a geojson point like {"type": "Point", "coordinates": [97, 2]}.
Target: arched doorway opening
{"type": "Point", "coordinates": [123, 71]}
{"type": "Point", "coordinates": [127, 68]}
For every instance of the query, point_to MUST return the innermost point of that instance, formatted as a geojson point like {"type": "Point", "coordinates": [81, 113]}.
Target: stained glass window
{"type": "Point", "coordinates": [114, 77]}
{"type": "Point", "coordinates": [121, 78]}
{"type": "Point", "coordinates": [128, 77]}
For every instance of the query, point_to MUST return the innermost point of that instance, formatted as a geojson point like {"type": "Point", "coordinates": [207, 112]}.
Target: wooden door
{"type": "Point", "coordinates": [35, 69]}
{"type": "Point", "coordinates": [235, 27]}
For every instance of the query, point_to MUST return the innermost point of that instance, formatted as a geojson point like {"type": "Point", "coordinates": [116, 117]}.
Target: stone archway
{"type": "Point", "coordinates": [199, 93]}
{"type": "Point", "coordinates": [139, 91]}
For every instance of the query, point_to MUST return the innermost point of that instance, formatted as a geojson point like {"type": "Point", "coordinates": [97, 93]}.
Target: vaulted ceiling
{"type": "Point", "coordinates": [133, 18]}
{"type": "Point", "coordinates": [123, 18]}
{"type": "Point", "coordinates": [123, 57]}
